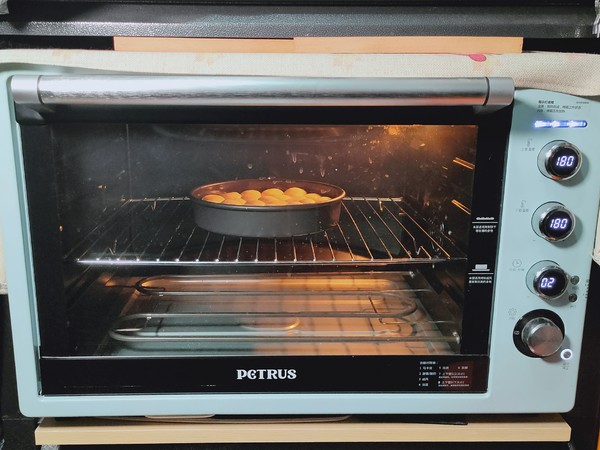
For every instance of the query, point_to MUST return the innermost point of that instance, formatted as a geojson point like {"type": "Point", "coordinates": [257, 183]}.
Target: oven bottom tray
{"type": "Point", "coordinates": [251, 315]}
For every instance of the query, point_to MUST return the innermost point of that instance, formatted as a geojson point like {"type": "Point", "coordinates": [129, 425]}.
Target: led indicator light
{"type": "Point", "coordinates": [566, 354]}
{"type": "Point", "coordinates": [560, 124]}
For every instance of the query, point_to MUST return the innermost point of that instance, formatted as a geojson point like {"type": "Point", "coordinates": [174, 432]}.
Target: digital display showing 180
{"type": "Point", "coordinates": [557, 224]}
{"type": "Point", "coordinates": [564, 162]}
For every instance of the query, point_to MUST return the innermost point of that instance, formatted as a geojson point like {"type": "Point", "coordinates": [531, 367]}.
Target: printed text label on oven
{"type": "Point", "coordinates": [266, 374]}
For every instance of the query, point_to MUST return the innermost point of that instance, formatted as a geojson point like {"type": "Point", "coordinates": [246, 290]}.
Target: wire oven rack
{"type": "Point", "coordinates": [162, 231]}
{"type": "Point", "coordinates": [306, 314]}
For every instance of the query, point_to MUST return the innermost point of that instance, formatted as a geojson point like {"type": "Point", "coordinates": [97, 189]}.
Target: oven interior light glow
{"type": "Point", "coordinates": [560, 124]}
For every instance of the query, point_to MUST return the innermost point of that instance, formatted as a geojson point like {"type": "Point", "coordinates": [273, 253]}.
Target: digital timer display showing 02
{"type": "Point", "coordinates": [547, 282]}
{"type": "Point", "coordinates": [551, 283]}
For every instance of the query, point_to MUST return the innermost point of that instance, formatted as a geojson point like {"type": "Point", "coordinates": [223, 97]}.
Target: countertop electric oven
{"type": "Point", "coordinates": [440, 266]}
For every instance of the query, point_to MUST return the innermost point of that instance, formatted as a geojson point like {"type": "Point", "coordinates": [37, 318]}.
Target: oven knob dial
{"type": "Point", "coordinates": [547, 280]}
{"type": "Point", "coordinates": [553, 222]}
{"type": "Point", "coordinates": [539, 334]}
{"type": "Point", "coordinates": [560, 160]}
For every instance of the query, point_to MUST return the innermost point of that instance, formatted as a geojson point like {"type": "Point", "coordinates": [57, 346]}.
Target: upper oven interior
{"type": "Point", "coordinates": [123, 190]}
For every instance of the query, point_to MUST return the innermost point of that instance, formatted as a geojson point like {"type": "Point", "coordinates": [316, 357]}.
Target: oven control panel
{"type": "Point", "coordinates": [548, 224]}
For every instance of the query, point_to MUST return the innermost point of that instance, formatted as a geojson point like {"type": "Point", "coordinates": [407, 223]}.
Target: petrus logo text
{"type": "Point", "coordinates": [266, 374]}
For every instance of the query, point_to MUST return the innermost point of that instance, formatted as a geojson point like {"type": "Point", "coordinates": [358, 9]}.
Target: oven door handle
{"type": "Point", "coordinates": [142, 90]}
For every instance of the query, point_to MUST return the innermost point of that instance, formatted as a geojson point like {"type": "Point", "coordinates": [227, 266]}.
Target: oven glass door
{"type": "Point", "coordinates": [140, 281]}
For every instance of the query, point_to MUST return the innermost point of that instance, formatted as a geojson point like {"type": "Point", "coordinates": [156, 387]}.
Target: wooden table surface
{"type": "Point", "coordinates": [82, 431]}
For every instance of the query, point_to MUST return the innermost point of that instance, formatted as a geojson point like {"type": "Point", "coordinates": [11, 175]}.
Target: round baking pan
{"type": "Point", "coordinates": [267, 221]}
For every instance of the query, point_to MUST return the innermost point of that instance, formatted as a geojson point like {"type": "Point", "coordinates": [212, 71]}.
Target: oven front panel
{"type": "Point", "coordinates": [130, 284]}
{"type": "Point", "coordinates": [405, 305]}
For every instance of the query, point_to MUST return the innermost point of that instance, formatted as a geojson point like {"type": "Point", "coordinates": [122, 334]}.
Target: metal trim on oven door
{"type": "Point", "coordinates": [140, 90]}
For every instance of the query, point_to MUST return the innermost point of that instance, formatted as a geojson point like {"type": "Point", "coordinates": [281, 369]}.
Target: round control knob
{"type": "Point", "coordinates": [547, 280]}
{"type": "Point", "coordinates": [553, 222]}
{"type": "Point", "coordinates": [539, 334]}
{"type": "Point", "coordinates": [560, 160]}
{"type": "Point", "coordinates": [542, 337]}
